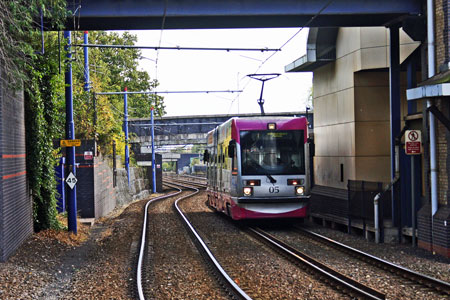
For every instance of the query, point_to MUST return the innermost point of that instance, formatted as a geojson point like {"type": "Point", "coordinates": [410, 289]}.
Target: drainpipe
{"type": "Point", "coordinates": [431, 73]}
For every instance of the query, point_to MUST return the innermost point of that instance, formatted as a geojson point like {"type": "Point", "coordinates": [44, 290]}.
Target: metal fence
{"type": "Point", "coordinates": [361, 196]}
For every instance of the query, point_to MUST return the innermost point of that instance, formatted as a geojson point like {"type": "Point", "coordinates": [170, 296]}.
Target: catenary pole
{"type": "Point", "coordinates": [153, 151]}
{"type": "Point", "coordinates": [70, 135]}
{"type": "Point", "coordinates": [125, 128]}
{"type": "Point", "coordinates": [86, 63]}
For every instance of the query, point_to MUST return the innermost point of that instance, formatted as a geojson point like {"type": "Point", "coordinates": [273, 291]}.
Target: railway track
{"type": "Point", "coordinates": [190, 181]}
{"type": "Point", "coordinates": [240, 285]}
{"type": "Point", "coordinates": [230, 287]}
{"type": "Point", "coordinates": [143, 243]}
{"type": "Point", "coordinates": [342, 282]}
{"type": "Point", "coordinates": [395, 281]}
{"type": "Point", "coordinates": [417, 278]}
{"type": "Point", "coordinates": [334, 278]}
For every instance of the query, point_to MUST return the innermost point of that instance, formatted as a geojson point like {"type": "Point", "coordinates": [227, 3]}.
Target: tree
{"type": "Point", "coordinates": [111, 70]}
{"type": "Point", "coordinates": [38, 75]}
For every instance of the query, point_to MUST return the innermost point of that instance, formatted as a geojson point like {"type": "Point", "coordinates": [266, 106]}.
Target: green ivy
{"type": "Point", "coordinates": [43, 95]}
{"type": "Point", "coordinates": [38, 75]}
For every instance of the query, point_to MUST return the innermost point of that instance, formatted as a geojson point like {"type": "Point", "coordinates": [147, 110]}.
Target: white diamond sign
{"type": "Point", "coordinates": [71, 180]}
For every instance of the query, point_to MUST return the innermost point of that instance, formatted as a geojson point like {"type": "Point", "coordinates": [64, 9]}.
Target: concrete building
{"type": "Point", "coordinates": [352, 132]}
{"type": "Point", "coordinates": [351, 104]}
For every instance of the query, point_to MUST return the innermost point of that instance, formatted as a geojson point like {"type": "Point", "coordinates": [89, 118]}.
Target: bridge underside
{"type": "Point", "coordinates": [173, 140]}
{"type": "Point", "coordinates": [187, 130]}
{"type": "Point", "coordinates": [191, 14]}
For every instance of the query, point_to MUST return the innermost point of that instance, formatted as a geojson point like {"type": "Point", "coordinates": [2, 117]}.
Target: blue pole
{"type": "Point", "coordinates": [153, 153]}
{"type": "Point", "coordinates": [70, 135]}
{"type": "Point", "coordinates": [86, 63]}
{"type": "Point", "coordinates": [127, 153]}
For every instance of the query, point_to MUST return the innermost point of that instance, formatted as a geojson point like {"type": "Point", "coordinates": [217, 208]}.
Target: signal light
{"type": "Point", "coordinates": [252, 182]}
{"type": "Point", "coordinates": [295, 181]}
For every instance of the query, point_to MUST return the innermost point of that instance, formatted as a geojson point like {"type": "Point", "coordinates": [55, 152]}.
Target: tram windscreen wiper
{"type": "Point", "coordinates": [272, 180]}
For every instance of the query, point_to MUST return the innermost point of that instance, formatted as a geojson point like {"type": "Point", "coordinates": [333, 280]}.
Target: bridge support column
{"type": "Point", "coordinates": [394, 90]}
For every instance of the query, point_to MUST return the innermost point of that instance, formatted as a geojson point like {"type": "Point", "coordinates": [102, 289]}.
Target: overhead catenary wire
{"type": "Point", "coordinates": [227, 49]}
{"type": "Point", "coordinates": [160, 38]}
{"type": "Point", "coordinates": [168, 92]}
{"type": "Point", "coordinates": [285, 43]}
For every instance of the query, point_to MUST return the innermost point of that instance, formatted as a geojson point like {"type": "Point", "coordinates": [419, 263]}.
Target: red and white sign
{"type": "Point", "coordinates": [88, 155]}
{"type": "Point", "coordinates": [413, 142]}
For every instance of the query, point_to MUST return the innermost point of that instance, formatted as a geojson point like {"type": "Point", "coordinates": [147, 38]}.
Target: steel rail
{"type": "Point", "coordinates": [142, 249]}
{"type": "Point", "coordinates": [193, 183]}
{"type": "Point", "coordinates": [350, 284]}
{"type": "Point", "coordinates": [236, 290]}
{"type": "Point", "coordinates": [431, 282]}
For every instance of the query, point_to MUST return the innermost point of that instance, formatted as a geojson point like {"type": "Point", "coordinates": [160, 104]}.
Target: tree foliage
{"type": "Point", "coordinates": [38, 74]}
{"type": "Point", "coordinates": [20, 34]}
{"type": "Point", "coordinates": [111, 70]}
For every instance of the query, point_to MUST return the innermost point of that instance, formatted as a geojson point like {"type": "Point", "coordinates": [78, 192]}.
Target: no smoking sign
{"type": "Point", "coordinates": [413, 142]}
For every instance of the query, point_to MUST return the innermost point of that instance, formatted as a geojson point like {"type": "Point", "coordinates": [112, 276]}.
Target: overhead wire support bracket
{"type": "Point", "coordinates": [263, 78]}
{"type": "Point", "coordinates": [175, 48]}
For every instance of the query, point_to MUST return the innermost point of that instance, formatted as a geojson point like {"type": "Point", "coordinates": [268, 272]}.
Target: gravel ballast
{"type": "Point", "coordinates": [51, 266]}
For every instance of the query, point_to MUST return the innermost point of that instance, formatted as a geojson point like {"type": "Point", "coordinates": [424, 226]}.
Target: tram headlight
{"type": "Point", "coordinates": [248, 191]}
{"type": "Point", "coordinates": [300, 190]}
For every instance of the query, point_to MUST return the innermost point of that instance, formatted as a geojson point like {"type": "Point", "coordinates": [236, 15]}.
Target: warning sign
{"type": "Point", "coordinates": [70, 143]}
{"type": "Point", "coordinates": [413, 142]}
{"type": "Point", "coordinates": [88, 155]}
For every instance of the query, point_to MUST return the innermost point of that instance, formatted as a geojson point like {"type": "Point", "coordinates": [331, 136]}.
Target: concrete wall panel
{"type": "Point", "coordinates": [372, 139]}
{"type": "Point", "coordinates": [373, 168]}
{"type": "Point", "coordinates": [345, 107]}
{"type": "Point", "coordinates": [345, 133]}
{"type": "Point", "coordinates": [373, 37]}
{"type": "Point", "coordinates": [374, 58]}
{"type": "Point", "coordinates": [372, 104]}
{"type": "Point", "coordinates": [347, 41]}
{"type": "Point", "coordinates": [330, 171]}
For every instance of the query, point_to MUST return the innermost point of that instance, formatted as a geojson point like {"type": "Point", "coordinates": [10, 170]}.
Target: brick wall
{"type": "Point", "coordinates": [442, 140]}
{"type": "Point", "coordinates": [441, 31]}
{"type": "Point", "coordinates": [95, 191]}
{"type": "Point", "coordinates": [434, 232]}
{"type": "Point", "coordinates": [16, 223]}
{"type": "Point", "coordinates": [105, 196]}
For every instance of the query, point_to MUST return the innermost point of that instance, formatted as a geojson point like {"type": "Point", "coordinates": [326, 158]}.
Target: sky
{"type": "Point", "coordinates": [189, 70]}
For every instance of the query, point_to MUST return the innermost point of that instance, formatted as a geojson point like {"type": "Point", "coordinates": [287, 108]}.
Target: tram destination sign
{"type": "Point", "coordinates": [413, 142]}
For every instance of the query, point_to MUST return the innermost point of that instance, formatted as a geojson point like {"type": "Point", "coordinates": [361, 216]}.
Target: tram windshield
{"type": "Point", "coordinates": [272, 152]}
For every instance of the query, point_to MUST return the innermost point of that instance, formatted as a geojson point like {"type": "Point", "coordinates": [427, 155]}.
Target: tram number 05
{"type": "Point", "coordinates": [274, 189]}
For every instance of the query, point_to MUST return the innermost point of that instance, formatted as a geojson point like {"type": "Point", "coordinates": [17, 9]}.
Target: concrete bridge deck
{"type": "Point", "coordinates": [183, 130]}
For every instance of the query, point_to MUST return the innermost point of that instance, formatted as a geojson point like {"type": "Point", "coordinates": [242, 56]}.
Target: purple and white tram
{"type": "Point", "coordinates": [259, 168]}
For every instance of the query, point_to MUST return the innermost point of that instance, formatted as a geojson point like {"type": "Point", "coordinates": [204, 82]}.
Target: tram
{"type": "Point", "coordinates": [259, 167]}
